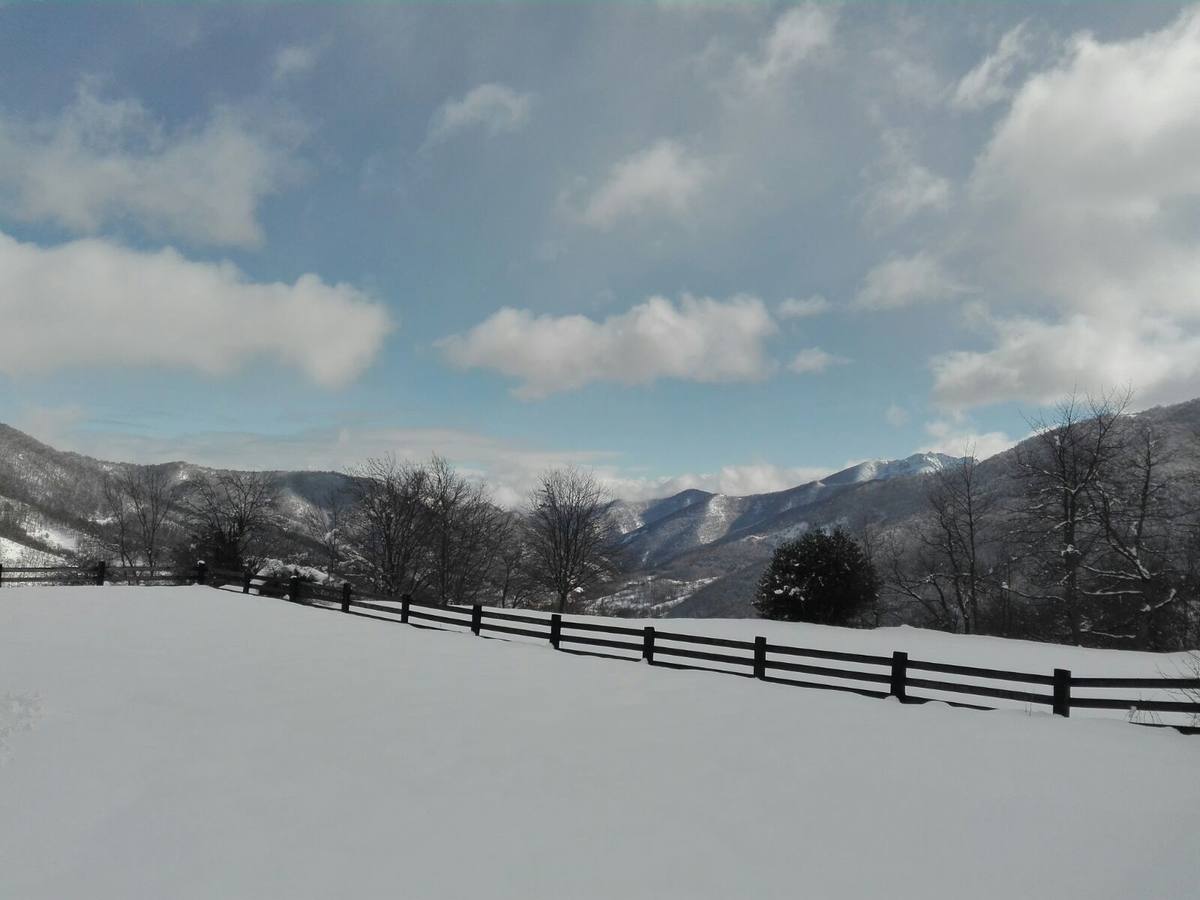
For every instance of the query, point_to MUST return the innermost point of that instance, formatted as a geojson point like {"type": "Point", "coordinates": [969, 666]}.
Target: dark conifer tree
{"type": "Point", "coordinates": [822, 578]}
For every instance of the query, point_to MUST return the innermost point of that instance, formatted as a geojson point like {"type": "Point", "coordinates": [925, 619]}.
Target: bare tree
{"type": "Point", "coordinates": [139, 503]}
{"type": "Point", "coordinates": [460, 535]}
{"type": "Point", "coordinates": [231, 515]}
{"type": "Point", "coordinates": [876, 545]}
{"type": "Point", "coordinates": [914, 576]}
{"type": "Point", "coordinates": [1137, 575]}
{"type": "Point", "coordinates": [326, 525]}
{"type": "Point", "coordinates": [1063, 462]}
{"type": "Point", "coordinates": [960, 536]}
{"type": "Point", "coordinates": [571, 541]}
{"type": "Point", "coordinates": [386, 527]}
{"type": "Point", "coordinates": [511, 582]}
{"type": "Point", "coordinates": [155, 497]}
{"type": "Point", "coordinates": [118, 538]}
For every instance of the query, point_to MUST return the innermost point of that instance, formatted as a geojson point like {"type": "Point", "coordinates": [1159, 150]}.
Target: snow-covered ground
{"type": "Point", "coordinates": [14, 554]}
{"type": "Point", "coordinates": [186, 742]}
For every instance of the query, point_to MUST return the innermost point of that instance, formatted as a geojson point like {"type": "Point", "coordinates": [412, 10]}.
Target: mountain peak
{"type": "Point", "coordinates": [881, 469]}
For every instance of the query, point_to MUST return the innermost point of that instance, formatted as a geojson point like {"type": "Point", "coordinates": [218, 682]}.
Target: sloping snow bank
{"type": "Point", "coordinates": [186, 742]}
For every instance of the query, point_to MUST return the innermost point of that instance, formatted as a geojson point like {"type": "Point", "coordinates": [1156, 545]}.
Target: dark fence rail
{"type": "Point", "coordinates": [777, 662]}
{"type": "Point", "coordinates": [758, 659]}
{"type": "Point", "coordinates": [97, 574]}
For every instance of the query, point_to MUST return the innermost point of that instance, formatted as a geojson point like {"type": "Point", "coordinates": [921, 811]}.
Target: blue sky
{"type": "Point", "coordinates": [712, 245]}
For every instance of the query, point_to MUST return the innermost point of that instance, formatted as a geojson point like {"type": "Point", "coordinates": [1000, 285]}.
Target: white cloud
{"type": "Point", "coordinates": [910, 74]}
{"type": "Point", "coordinates": [510, 469]}
{"type": "Point", "coordinates": [903, 187]}
{"type": "Point", "coordinates": [95, 303]}
{"type": "Point", "coordinates": [1039, 361]}
{"type": "Point", "coordinates": [953, 439]}
{"type": "Point", "coordinates": [794, 308]}
{"type": "Point", "coordinates": [698, 339]}
{"type": "Point", "coordinates": [814, 360]}
{"type": "Point", "coordinates": [798, 35]}
{"type": "Point", "coordinates": [907, 280]}
{"type": "Point", "coordinates": [896, 415]}
{"type": "Point", "coordinates": [987, 83]}
{"type": "Point", "coordinates": [102, 162]}
{"type": "Point", "coordinates": [293, 61]}
{"type": "Point", "coordinates": [663, 179]}
{"type": "Point", "coordinates": [495, 108]}
{"type": "Point", "coordinates": [1084, 202]}
{"type": "Point", "coordinates": [735, 480]}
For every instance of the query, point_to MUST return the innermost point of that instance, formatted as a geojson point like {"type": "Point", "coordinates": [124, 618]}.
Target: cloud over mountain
{"type": "Point", "coordinates": [1084, 201]}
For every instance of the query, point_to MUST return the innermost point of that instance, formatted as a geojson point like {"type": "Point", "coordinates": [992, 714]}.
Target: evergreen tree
{"type": "Point", "coordinates": [822, 578]}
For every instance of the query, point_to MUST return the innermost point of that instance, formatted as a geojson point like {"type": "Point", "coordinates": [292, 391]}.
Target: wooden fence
{"type": "Point", "coordinates": [98, 574]}
{"type": "Point", "coordinates": [868, 675]}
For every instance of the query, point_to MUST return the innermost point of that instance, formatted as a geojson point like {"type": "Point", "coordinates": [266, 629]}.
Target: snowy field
{"type": "Point", "coordinates": [186, 742]}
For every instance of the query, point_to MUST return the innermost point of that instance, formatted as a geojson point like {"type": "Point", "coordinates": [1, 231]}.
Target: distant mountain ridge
{"type": "Point", "coordinates": [51, 500]}
{"type": "Point", "coordinates": [695, 553]}
{"type": "Point", "coordinates": [702, 537]}
{"type": "Point", "coordinates": [712, 550]}
{"type": "Point", "coordinates": [657, 530]}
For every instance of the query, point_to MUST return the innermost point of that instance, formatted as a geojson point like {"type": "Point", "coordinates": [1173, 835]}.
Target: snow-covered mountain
{"type": "Point", "coordinates": [880, 469]}
{"type": "Point", "coordinates": [50, 500]}
{"type": "Point", "coordinates": [695, 553]}
{"type": "Point", "coordinates": [710, 545]}
{"type": "Point", "coordinates": [656, 531]}
{"type": "Point", "coordinates": [718, 545]}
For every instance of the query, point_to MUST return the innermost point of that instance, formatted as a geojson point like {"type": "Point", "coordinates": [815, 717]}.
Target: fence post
{"type": "Point", "coordinates": [405, 599]}
{"type": "Point", "coordinates": [1, 571]}
{"type": "Point", "coordinates": [555, 630]}
{"type": "Point", "coordinates": [648, 644]}
{"type": "Point", "coordinates": [1062, 692]}
{"type": "Point", "coordinates": [899, 676]}
{"type": "Point", "coordinates": [760, 657]}
{"type": "Point", "coordinates": [246, 583]}
{"type": "Point", "coordinates": [201, 572]}
{"type": "Point", "coordinates": [294, 587]}
{"type": "Point", "coordinates": [476, 618]}
{"type": "Point", "coordinates": [346, 597]}
{"type": "Point", "coordinates": [101, 567]}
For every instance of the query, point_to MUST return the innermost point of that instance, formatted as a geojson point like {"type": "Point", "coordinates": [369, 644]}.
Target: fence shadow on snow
{"type": "Point", "coordinates": [870, 676]}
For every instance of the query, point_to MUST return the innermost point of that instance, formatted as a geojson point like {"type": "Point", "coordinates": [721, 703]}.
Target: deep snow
{"type": "Point", "coordinates": [186, 742]}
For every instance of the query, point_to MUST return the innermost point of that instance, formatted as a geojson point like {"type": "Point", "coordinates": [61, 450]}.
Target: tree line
{"type": "Point", "coordinates": [1086, 533]}
{"type": "Point", "coordinates": [392, 527]}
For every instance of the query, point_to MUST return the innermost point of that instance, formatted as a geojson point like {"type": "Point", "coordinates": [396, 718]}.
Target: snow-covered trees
{"type": "Point", "coordinates": [1060, 470]}
{"type": "Point", "coordinates": [1102, 528]}
{"type": "Point", "coordinates": [1085, 532]}
{"type": "Point", "coordinates": [821, 577]}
